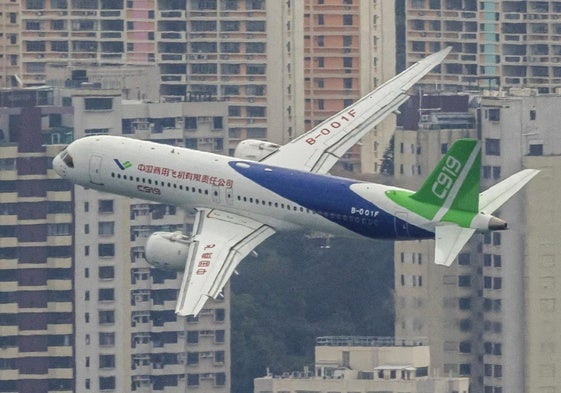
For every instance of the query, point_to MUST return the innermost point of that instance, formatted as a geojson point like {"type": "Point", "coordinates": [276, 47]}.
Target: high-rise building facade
{"type": "Point", "coordinates": [36, 248]}
{"type": "Point", "coordinates": [232, 50]}
{"type": "Point", "coordinates": [496, 43]}
{"type": "Point", "coordinates": [281, 66]}
{"type": "Point", "coordinates": [127, 333]}
{"type": "Point", "coordinates": [349, 50]}
{"type": "Point", "coordinates": [487, 316]}
{"type": "Point", "coordinates": [81, 308]}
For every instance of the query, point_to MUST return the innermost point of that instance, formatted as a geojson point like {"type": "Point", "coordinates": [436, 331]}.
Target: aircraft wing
{"type": "Point", "coordinates": [220, 241]}
{"type": "Point", "coordinates": [319, 149]}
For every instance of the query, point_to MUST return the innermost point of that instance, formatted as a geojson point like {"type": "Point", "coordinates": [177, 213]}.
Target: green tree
{"type": "Point", "coordinates": [295, 291]}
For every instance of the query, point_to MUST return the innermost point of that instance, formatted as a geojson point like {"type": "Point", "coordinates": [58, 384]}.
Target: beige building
{"type": "Point", "coordinates": [541, 272]}
{"type": "Point", "coordinates": [36, 248]}
{"type": "Point", "coordinates": [349, 50]}
{"type": "Point", "coordinates": [365, 364]}
{"type": "Point", "coordinates": [486, 317]}
{"type": "Point", "coordinates": [496, 43]}
{"type": "Point", "coordinates": [127, 333]}
{"type": "Point", "coordinates": [282, 67]}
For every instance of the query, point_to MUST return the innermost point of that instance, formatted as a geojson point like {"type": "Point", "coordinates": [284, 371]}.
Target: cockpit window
{"type": "Point", "coordinates": [67, 159]}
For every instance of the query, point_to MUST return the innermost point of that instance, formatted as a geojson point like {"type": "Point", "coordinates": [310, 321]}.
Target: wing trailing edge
{"type": "Point", "coordinates": [220, 241]}
{"type": "Point", "coordinates": [494, 197]}
{"type": "Point", "coordinates": [449, 239]}
{"type": "Point", "coordinates": [319, 149]}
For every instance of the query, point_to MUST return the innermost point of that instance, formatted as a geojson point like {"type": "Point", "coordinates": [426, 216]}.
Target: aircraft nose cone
{"type": "Point", "coordinates": [58, 166]}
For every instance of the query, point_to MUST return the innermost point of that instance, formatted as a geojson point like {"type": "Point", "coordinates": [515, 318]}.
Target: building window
{"type": "Point", "coordinates": [58, 229]}
{"type": "Point", "coordinates": [106, 228]}
{"type": "Point", "coordinates": [464, 303]}
{"type": "Point", "coordinates": [106, 250]}
{"type": "Point", "coordinates": [347, 20]}
{"type": "Point", "coordinates": [220, 379]}
{"type": "Point", "coordinates": [106, 272]}
{"type": "Point", "coordinates": [36, 46]}
{"type": "Point", "coordinates": [464, 281]}
{"type": "Point", "coordinates": [106, 361]}
{"type": "Point", "coordinates": [535, 149]}
{"type": "Point", "coordinates": [494, 114]}
{"type": "Point", "coordinates": [497, 262]}
{"type": "Point", "coordinates": [192, 358]}
{"type": "Point", "coordinates": [192, 337]}
{"type": "Point", "coordinates": [464, 259]}
{"type": "Point", "coordinates": [465, 369]}
{"type": "Point", "coordinates": [106, 317]}
{"type": "Point", "coordinates": [106, 383]}
{"type": "Point", "coordinates": [106, 294]}
{"type": "Point", "coordinates": [192, 379]}
{"type": "Point", "coordinates": [106, 339]}
{"type": "Point", "coordinates": [106, 206]}
{"type": "Point", "coordinates": [217, 123]}
{"type": "Point", "coordinates": [98, 104]}
{"type": "Point", "coordinates": [465, 347]}
{"type": "Point", "coordinates": [492, 147]}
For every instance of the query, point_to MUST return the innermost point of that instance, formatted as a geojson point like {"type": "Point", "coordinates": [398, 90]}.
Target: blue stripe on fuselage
{"type": "Point", "coordinates": [330, 197]}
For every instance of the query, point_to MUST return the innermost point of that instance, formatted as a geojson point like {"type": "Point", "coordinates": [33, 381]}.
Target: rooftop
{"type": "Point", "coordinates": [370, 341]}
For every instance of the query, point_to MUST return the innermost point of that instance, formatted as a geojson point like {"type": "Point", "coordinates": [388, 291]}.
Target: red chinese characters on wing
{"type": "Point", "coordinates": [205, 260]}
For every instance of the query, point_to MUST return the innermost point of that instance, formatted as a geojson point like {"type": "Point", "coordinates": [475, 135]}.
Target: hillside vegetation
{"type": "Point", "coordinates": [295, 290]}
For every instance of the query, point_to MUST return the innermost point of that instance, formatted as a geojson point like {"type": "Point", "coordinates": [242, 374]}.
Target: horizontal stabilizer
{"type": "Point", "coordinates": [449, 240]}
{"type": "Point", "coordinates": [494, 197]}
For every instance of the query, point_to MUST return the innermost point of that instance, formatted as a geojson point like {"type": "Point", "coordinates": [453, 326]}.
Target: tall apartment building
{"type": "Point", "coordinates": [487, 316]}
{"type": "Point", "coordinates": [36, 248]}
{"type": "Point", "coordinates": [496, 43]}
{"type": "Point", "coordinates": [281, 66]}
{"type": "Point", "coordinates": [349, 49]}
{"type": "Point", "coordinates": [232, 50]}
{"type": "Point", "coordinates": [127, 333]}
{"type": "Point", "coordinates": [81, 309]}
{"type": "Point", "coordinates": [435, 301]}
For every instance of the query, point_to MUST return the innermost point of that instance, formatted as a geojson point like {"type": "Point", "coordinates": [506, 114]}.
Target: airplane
{"type": "Point", "coordinates": [240, 201]}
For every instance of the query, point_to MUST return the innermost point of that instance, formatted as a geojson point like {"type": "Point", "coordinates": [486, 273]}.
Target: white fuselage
{"type": "Point", "coordinates": [283, 199]}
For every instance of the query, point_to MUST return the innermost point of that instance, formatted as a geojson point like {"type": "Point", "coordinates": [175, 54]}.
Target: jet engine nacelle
{"type": "Point", "coordinates": [167, 250]}
{"type": "Point", "coordinates": [254, 150]}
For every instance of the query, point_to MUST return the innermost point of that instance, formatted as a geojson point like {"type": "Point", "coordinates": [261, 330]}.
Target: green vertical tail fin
{"type": "Point", "coordinates": [454, 183]}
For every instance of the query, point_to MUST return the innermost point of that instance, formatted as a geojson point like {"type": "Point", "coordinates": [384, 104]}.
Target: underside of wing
{"type": "Point", "coordinates": [220, 241]}
{"type": "Point", "coordinates": [449, 240]}
{"type": "Point", "coordinates": [319, 149]}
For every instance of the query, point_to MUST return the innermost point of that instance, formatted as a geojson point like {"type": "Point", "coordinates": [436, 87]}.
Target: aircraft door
{"type": "Point", "coordinates": [95, 169]}
{"type": "Point", "coordinates": [401, 225]}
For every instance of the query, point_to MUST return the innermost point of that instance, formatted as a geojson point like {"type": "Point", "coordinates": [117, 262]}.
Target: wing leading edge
{"type": "Point", "coordinates": [220, 241]}
{"type": "Point", "coordinates": [319, 149]}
